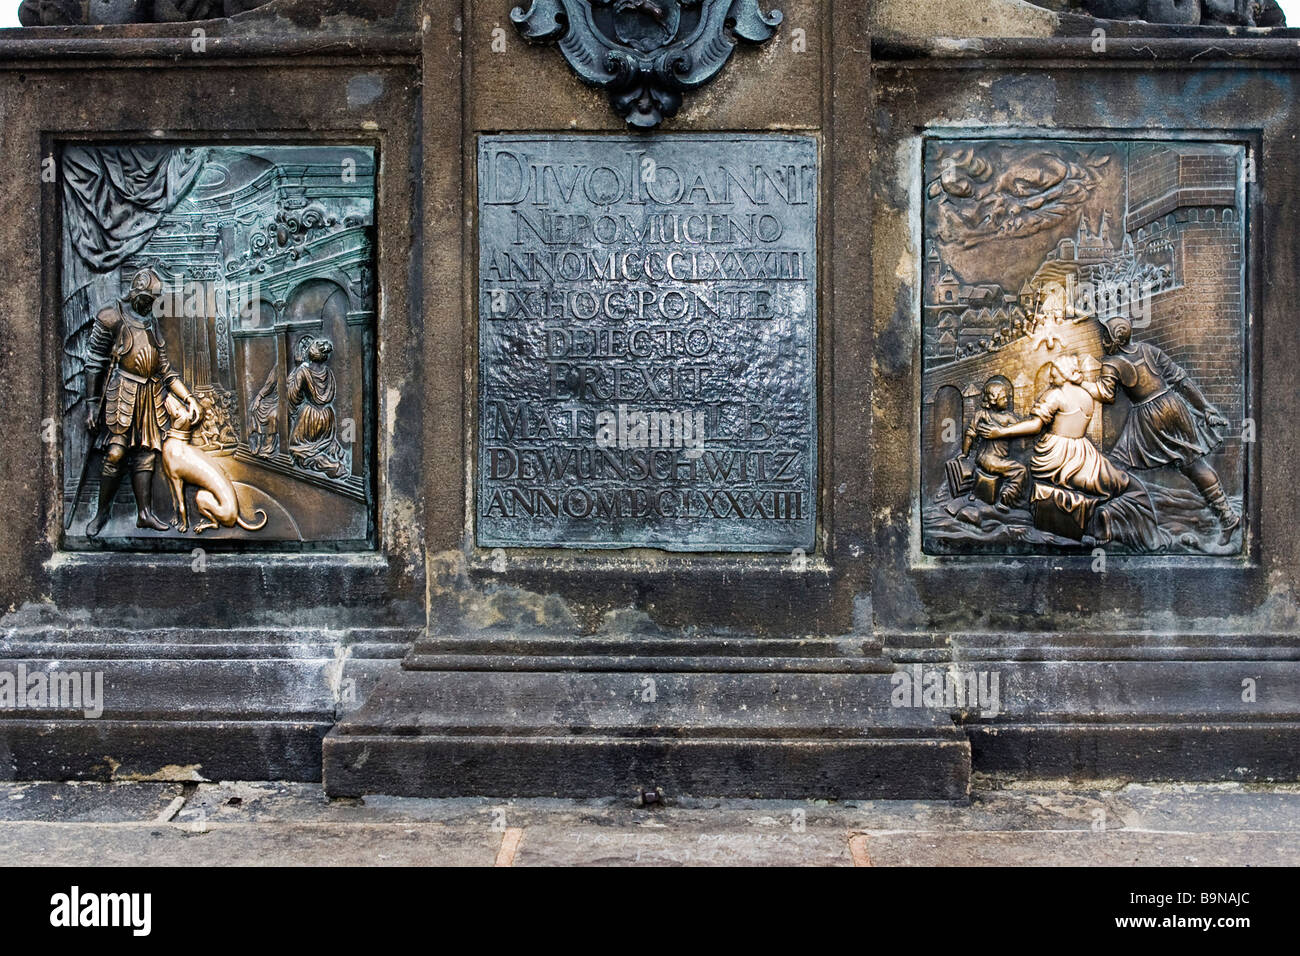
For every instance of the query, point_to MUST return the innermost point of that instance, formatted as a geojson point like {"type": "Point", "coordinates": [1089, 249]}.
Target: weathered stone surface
{"type": "Point", "coordinates": [178, 748]}
{"type": "Point", "coordinates": [530, 734]}
{"type": "Point", "coordinates": [943, 18]}
{"type": "Point", "coordinates": [1177, 750]}
{"type": "Point", "coordinates": [205, 698]}
{"type": "Point", "coordinates": [89, 802]}
{"type": "Point", "coordinates": [232, 664]}
{"type": "Point", "coordinates": [279, 844]}
{"type": "Point", "coordinates": [68, 12]}
{"type": "Point", "coordinates": [1165, 598]}
{"type": "Point", "coordinates": [270, 823]}
{"type": "Point", "coordinates": [1123, 849]}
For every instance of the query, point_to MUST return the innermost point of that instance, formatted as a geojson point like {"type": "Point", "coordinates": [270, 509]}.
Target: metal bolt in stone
{"type": "Point", "coordinates": [650, 798]}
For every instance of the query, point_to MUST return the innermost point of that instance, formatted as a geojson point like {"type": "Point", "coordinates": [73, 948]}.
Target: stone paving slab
{"type": "Point", "coordinates": [278, 823]}
{"type": "Point", "coordinates": [675, 845]}
{"type": "Point", "coordinates": [87, 802]}
{"type": "Point", "coordinates": [270, 844]}
{"type": "Point", "coordinates": [1110, 848]}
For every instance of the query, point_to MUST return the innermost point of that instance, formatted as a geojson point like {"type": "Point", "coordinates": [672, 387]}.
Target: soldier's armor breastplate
{"type": "Point", "coordinates": [136, 350]}
{"type": "Point", "coordinates": [1138, 375]}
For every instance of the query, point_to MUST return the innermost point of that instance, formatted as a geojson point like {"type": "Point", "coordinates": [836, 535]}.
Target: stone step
{"type": "Point", "coordinates": [735, 734]}
{"type": "Point", "coordinates": [183, 643]}
{"type": "Point", "coordinates": [1139, 751]}
{"type": "Point", "coordinates": [719, 654]}
{"type": "Point", "coordinates": [184, 750]}
{"type": "Point", "coordinates": [183, 691]}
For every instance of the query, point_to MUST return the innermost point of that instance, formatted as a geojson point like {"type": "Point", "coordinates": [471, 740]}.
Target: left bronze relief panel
{"type": "Point", "coordinates": [218, 335]}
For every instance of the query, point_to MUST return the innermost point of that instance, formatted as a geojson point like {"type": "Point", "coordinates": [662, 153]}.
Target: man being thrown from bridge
{"type": "Point", "coordinates": [1100, 497]}
{"type": "Point", "coordinates": [1170, 423]}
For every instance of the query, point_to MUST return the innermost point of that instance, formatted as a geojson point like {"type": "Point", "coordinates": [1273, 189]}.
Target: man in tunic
{"type": "Point", "coordinates": [129, 369]}
{"type": "Point", "coordinates": [993, 455]}
{"type": "Point", "coordinates": [1170, 423]}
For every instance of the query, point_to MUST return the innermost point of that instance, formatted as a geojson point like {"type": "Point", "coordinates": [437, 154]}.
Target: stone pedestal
{"type": "Point", "coordinates": [742, 718]}
{"type": "Point", "coordinates": [791, 613]}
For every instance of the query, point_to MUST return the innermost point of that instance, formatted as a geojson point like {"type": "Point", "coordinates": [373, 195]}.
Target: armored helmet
{"type": "Point", "coordinates": [146, 287]}
{"type": "Point", "coordinates": [1116, 332]}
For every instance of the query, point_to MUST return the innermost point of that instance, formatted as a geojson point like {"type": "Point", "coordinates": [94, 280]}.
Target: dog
{"type": "Point", "coordinates": [185, 464]}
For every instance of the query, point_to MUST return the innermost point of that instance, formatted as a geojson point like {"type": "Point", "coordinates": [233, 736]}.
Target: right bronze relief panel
{"type": "Point", "coordinates": [1084, 366]}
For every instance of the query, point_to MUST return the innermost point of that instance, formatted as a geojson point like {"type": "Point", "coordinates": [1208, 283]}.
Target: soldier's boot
{"type": "Point", "coordinates": [108, 485]}
{"type": "Point", "coordinates": [142, 484]}
{"type": "Point", "coordinates": [1229, 520]}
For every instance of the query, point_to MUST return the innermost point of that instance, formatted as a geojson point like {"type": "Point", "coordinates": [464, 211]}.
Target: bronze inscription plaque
{"type": "Point", "coordinates": [647, 342]}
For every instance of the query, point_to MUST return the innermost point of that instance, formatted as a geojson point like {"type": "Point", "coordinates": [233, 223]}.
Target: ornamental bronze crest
{"type": "Point", "coordinates": [646, 53]}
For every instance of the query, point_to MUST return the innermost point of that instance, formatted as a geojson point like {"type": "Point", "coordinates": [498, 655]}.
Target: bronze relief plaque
{"type": "Point", "coordinates": [218, 337]}
{"type": "Point", "coordinates": [1084, 362]}
{"type": "Point", "coordinates": [647, 342]}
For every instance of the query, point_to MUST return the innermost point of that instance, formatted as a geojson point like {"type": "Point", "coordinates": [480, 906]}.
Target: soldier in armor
{"type": "Point", "coordinates": [128, 361]}
{"type": "Point", "coordinates": [1170, 423]}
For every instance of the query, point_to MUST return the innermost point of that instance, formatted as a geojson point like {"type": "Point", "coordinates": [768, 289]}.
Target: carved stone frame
{"type": "Point", "coordinates": [390, 141]}
{"type": "Point", "coordinates": [773, 597]}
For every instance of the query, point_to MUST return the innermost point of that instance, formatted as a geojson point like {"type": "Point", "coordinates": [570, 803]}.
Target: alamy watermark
{"type": "Point", "coordinates": [209, 298]}
{"type": "Point", "coordinates": [53, 690]}
{"type": "Point", "coordinates": [621, 428]}
{"type": "Point", "coordinates": [75, 909]}
{"type": "Point", "coordinates": [947, 688]}
{"type": "Point", "coordinates": [1128, 297]}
